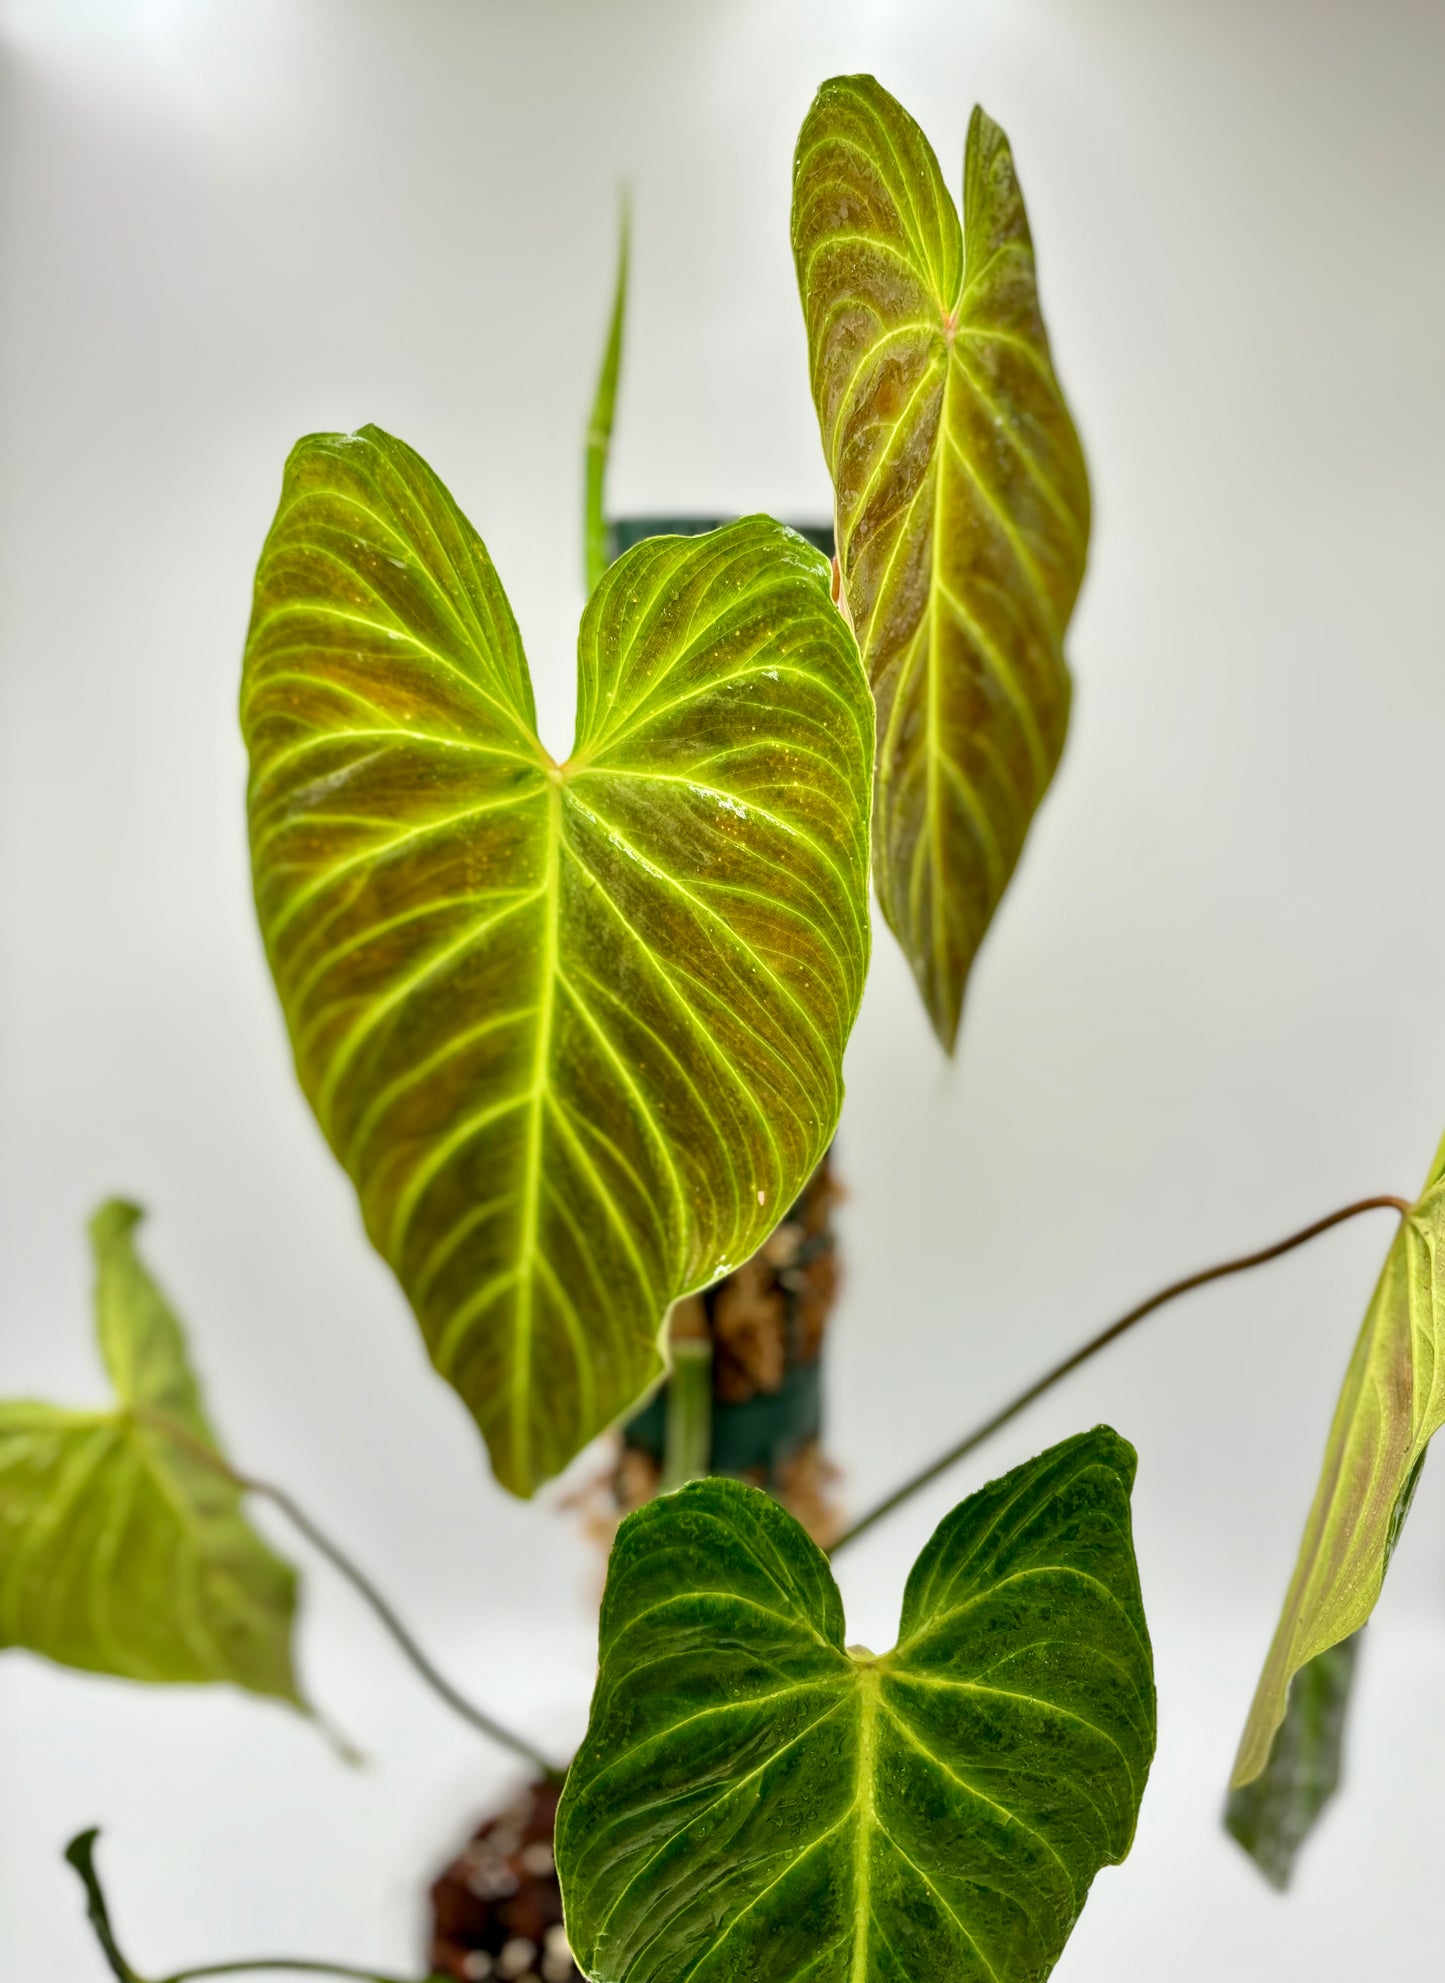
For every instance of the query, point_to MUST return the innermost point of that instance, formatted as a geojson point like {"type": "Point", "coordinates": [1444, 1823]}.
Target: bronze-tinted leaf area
{"type": "Point", "coordinates": [962, 503]}
{"type": "Point", "coordinates": [575, 1030]}
{"type": "Point", "coordinates": [756, 1798]}
{"type": "Point", "coordinates": [1390, 1407]}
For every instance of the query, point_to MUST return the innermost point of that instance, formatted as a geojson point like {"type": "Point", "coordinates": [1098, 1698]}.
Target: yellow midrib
{"type": "Point", "coordinates": [532, 1178]}
{"type": "Point", "coordinates": [937, 916]}
{"type": "Point", "coordinates": [866, 1818]}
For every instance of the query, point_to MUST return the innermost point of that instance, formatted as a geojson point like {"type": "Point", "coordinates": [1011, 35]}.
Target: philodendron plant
{"type": "Point", "coordinates": [575, 1032]}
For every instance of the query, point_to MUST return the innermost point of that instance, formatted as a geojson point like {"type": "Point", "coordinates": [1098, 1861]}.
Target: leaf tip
{"type": "Point", "coordinates": [1121, 1454]}
{"type": "Point", "coordinates": [1272, 1814]}
{"type": "Point", "coordinates": [80, 1853]}
{"type": "Point", "coordinates": [113, 1220]}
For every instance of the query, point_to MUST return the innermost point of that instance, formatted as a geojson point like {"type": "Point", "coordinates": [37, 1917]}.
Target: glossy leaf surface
{"type": "Point", "coordinates": [754, 1799]}
{"type": "Point", "coordinates": [962, 503]}
{"type": "Point", "coordinates": [575, 1031]}
{"type": "Point", "coordinates": [1392, 1403]}
{"type": "Point", "coordinates": [123, 1548]}
{"type": "Point", "coordinates": [1273, 1815]}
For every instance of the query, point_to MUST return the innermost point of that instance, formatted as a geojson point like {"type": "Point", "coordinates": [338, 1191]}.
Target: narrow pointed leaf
{"type": "Point", "coordinates": [962, 503]}
{"type": "Point", "coordinates": [574, 1031]}
{"type": "Point", "coordinates": [754, 1799]}
{"type": "Point", "coordinates": [1273, 1815]}
{"type": "Point", "coordinates": [1392, 1404]}
{"type": "Point", "coordinates": [599, 427]}
{"type": "Point", "coordinates": [123, 1547]}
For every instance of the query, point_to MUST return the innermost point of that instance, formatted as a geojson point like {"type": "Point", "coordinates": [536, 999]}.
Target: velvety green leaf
{"type": "Point", "coordinates": [575, 1031]}
{"type": "Point", "coordinates": [1392, 1403]}
{"type": "Point", "coordinates": [962, 503]}
{"type": "Point", "coordinates": [1272, 1816]}
{"type": "Point", "coordinates": [123, 1548]}
{"type": "Point", "coordinates": [754, 1800]}
{"type": "Point", "coordinates": [599, 427]}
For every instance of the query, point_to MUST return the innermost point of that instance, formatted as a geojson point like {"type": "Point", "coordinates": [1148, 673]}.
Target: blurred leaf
{"type": "Point", "coordinates": [574, 1031]}
{"type": "Point", "coordinates": [753, 1800]}
{"type": "Point", "coordinates": [962, 504]}
{"type": "Point", "coordinates": [123, 1548]}
{"type": "Point", "coordinates": [81, 1854]}
{"type": "Point", "coordinates": [599, 427]}
{"type": "Point", "coordinates": [1272, 1816]}
{"type": "Point", "coordinates": [1392, 1403]}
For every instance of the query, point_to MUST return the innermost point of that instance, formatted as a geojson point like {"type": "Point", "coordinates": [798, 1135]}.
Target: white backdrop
{"type": "Point", "coordinates": [1209, 1011]}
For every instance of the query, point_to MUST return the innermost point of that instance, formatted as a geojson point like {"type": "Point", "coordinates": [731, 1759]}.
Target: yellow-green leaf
{"type": "Point", "coordinates": [1392, 1404]}
{"type": "Point", "coordinates": [123, 1548]}
{"type": "Point", "coordinates": [962, 504]}
{"type": "Point", "coordinates": [755, 1799]}
{"type": "Point", "coordinates": [575, 1031]}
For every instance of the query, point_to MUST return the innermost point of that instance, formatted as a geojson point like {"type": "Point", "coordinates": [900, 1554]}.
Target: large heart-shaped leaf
{"type": "Point", "coordinates": [753, 1799]}
{"type": "Point", "coordinates": [574, 1030]}
{"type": "Point", "coordinates": [962, 503]}
{"type": "Point", "coordinates": [123, 1548]}
{"type": "Point", "coordinates": [1392, 1404]}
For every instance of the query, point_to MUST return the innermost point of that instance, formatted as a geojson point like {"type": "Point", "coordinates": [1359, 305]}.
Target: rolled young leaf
{"type": "Point", "coordinates": [754, 1798]}
{"type": "Point", "coordinates": [1392, 1404]}
{"type": "Point", "coordinates": [123, 1548]}
{"type": "Point", "coordinates": [599, 427]}
{"type": "Point", "coordinates": [962, 504]}
{"type": "Point", "coordinates": [575, 1031]}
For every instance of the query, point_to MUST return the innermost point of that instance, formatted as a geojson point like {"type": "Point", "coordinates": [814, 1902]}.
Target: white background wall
{"type": "Point", "coordinates": [1210, 1010]}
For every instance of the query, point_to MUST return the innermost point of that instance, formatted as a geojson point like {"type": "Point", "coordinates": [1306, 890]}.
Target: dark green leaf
{"type": "Point", "coordinates": [1274, 1814]}
{"type": "Point", "coordinates": [1391, 1406]}
{"type": "Point", "coordinates": [962, 504]}
{"type": "Point", "coordinates": [123, 1548]}
{"type": "Point", "coordinates": [599, 427]}
{"type": "Point", "coordinates": [754, 1800]}
{"type": "Point", "coordinates": [574, 1030]}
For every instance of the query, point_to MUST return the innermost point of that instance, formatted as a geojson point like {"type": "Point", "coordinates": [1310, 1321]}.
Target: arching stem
{"type": "Point", "coordinates": [362, 1584]}
{"type": "Point", "coordinates": [1102, 1341]}
{"type": "Point", "coordinates": [337, 1557]}
{"type": "Point", "coordinates": [81, 1854]}
{"type": "Point", "coordinates": [290, 1965]}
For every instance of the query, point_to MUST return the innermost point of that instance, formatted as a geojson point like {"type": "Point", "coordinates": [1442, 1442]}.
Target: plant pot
{"type": "Point", "coordinates": [497, 1909]}
{"type": "Point", "coordinates": [625, 531]}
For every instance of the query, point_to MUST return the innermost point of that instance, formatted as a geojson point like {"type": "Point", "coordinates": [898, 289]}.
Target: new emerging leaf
{"type": "Point", "coordinates": [1392, 1404]}
{"type": "Point", "coordinates": [962, 504]}
{"type": "Point", "coordinates": [575, 1031]}
{"type": "Point", "coordinates": [599, 426]}
{"type": "Point", "coordinates": [123, 1547]}
{"type": "Point", "coordinates": [755, 1798]}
